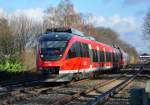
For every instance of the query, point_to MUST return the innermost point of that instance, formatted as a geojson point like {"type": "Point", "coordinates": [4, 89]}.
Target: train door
{"type": "Point", "coordinates": [91, 56]}
{"type": "Point", "coordinates": [85, 61]}
{"type": "Point", "coordinates": [73, 59]}
{"type": "Point", "coordinates": [98, 53]}
{"type": "Point", "coordinates": [79, 55]}
{"type": "Point", "coordinates": [111, 58]}
{"type": "Point", "coordinates": [114, 60]}
{"type": "Point", "coordinates": [104, 65]}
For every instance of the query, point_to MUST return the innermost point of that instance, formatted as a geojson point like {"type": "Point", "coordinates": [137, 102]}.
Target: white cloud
{"type": "Point", "coordinates": [116, 22]}
{"type": "Point", "coordinates": [2, 12]}
{"type": "Point", "coordinates": [36, 14]}
{"type": "Point", "coordinates": [129, 29]}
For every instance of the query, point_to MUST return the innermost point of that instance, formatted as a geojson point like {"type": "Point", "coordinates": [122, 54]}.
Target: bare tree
{"type": "Point", "coordinates": [64, 15]}
{"type": "Point", "coordinates": [24, 30]}
{"type": "Point", "coordinates": [6, 41]}
{"type": "Point", "coordinates": [146, 26]}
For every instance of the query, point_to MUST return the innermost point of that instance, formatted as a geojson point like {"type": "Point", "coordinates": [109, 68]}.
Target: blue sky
{"type": "Point", "coordinates": [124, 16]}
{"type": "Point", "coordinates": [96, 7]}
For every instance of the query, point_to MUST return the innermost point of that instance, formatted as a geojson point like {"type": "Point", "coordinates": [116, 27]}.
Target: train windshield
{"type": "Point", "coordinates": [52, 50]}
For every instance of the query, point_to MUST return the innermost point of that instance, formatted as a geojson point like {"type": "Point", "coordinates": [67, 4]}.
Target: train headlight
{"type": "Point", "coordinates": [42, 55]}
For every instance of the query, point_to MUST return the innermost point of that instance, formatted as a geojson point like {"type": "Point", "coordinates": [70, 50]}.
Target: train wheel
{"type": "Point", "coordinates": [87, 76]}
{"type": "Point", "coordinates": [119, 70]}
{"type": "Point", "coordinates": [95, 76]}
{"type": "Point", "coordinates": [76, 77]}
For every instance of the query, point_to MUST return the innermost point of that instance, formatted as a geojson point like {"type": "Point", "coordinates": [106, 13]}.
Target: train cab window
{"type": "Point", "coordinates": [52, 49]}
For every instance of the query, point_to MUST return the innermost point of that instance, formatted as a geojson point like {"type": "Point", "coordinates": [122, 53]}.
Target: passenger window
{"type": "Point", "coordinates": [95, 55]}
{"type": "Point", "coordinates": [84, 50]}
{"type": "Point", "coordinates": [87, 50]}
{"type": "Point", "coordinates": [78, 49]}
{"type": "Point", "coordinates": [74, 51]}
{"type": "Point", "coordinates": [102, 56]}
{"type": "Point", "coordinates": [108, 56]}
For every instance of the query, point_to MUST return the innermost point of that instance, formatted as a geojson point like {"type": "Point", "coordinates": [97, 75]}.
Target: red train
{"type": "Point", "coordinates": [65, 54]}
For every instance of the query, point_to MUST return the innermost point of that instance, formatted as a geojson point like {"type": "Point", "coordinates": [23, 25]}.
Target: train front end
{"type": "Point", "coordinates": [51, 55]}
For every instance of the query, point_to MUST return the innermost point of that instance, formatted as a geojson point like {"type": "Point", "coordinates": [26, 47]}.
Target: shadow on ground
{"type": "Point", "coordinates": [27, 75]}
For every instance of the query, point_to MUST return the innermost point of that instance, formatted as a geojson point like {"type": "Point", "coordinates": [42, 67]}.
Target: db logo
{"type": "Point", "coordinates": [47, 63]}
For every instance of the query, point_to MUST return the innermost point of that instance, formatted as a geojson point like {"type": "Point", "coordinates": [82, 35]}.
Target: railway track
{"type": "Point", "coordinates": [103, 97]}
{"type": "Point", "coordinates": [67, 100]}
{"type": "Point", "coordinates": [66, 93]}
{"type": "Point", "coordinates": [8, 87]}
{"type": "Point", "coordinates": [73, 91]}
{"type": "Point", "coordinates": [124, 96]}
{"type": "Point", "coordinates": [26, 94]}
{"type": "Point", "coordinates": [93, 91]}
{"type": "Point", "coordinates": [10, 97]}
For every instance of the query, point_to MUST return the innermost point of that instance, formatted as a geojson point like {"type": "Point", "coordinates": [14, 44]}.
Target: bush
{"type": "Point", "coordinates": [11, 67]}
{"type": "Point", "coordinates": [11, 64]}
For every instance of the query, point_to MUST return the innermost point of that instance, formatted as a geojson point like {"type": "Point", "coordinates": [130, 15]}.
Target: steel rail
{"type": "Point", "coordinates": [29, 92]}
{"type": "Point", "coordinates": [67, 99]}
{"type": "Point", "coordinates": [103, 97]}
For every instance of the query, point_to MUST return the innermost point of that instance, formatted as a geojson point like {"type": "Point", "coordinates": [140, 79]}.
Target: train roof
{"type": "Point", "coordinates": [67, 33]}
{"type": "Point", "coordinates": [72, 32]}
{"type": "Point", "coordinates": [55, 36]}
{"type": "Point", "coordinates": [68, 30]}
